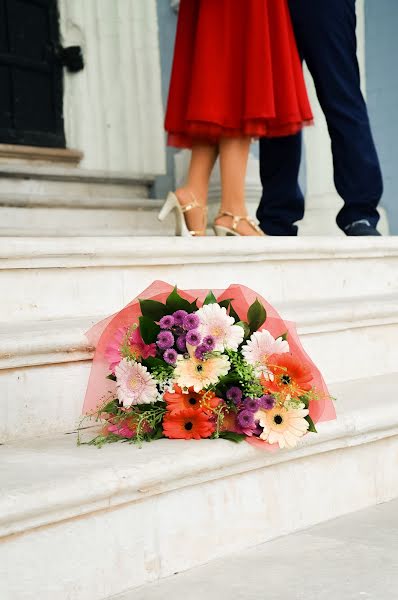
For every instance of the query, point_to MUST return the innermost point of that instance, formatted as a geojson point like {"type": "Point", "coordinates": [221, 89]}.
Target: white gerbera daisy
{"type": "Point", "coordinates": [281, 426]}
{"type": "Point", "coordinates": [260, 346]}
{"type": "Point", "coordinates": [135, 385]}
{"type": "Point", "coordinates": [215, 321]}
{"type": "Point", "coordinates": [198, 374]}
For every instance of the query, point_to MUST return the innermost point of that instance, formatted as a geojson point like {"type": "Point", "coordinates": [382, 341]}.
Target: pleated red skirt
{"type": "Point", "coordinates": [236, 72]}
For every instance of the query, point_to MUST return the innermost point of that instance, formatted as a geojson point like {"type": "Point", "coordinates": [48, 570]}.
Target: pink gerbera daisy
{"type": "Point", "coordinates": [135, 385]}
{"type": "Point", "coordinates": [136, 346]}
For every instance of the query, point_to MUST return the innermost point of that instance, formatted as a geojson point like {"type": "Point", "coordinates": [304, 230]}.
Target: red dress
{"type": "Point", "coordinates": [236, 72]}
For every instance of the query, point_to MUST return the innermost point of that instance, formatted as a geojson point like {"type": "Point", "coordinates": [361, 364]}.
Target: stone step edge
{"type": "Point", "coordinates": [34, 343]}
{"type": "Point", "coordinates": [35, 202]}
{"type": "Point", "coordinates": [60, 252]}
{"type": "Point", "coordinates": [166, 465]}
{"type": "Point", "coordinates": [57, 173]}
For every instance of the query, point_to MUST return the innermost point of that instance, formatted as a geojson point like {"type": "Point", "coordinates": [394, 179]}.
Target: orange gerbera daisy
{"type": "Point", "coordinates": [180, 400]}
{"type": "Point", "coordinates": [187, 425]}
{"type": "Point", "coordinates": [287, 375]}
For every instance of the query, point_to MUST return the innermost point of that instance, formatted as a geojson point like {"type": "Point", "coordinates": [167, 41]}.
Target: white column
{"type": "Point", "coordinates": [113, 108]}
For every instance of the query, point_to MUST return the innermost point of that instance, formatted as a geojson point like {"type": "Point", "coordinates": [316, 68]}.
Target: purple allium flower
{"type": "Point", "coordinates": [201, 351]}
{"type": "Point", "coordinates": [179, 317]}
{"type": "Point", "coordinates": [166, 322]}
{"type": "Point", "coordinates": [182, 343]}
{"type": "Point", "coordinates": [191, 321]}
{"type": "Point", "coordinates": [246, 419]}
{"type": "Point", "coordinates": [210, 342]}
{"type": "Point", "coordinates": [165, 340]}
{"type": "Point", "coordinates": [193, 337]}
{"type": "Point", "coordinates": [235, 394]}
{"type": "Point", "coordinates": [252, 404]}
{"type": "Point", "coordinates": [170, 356]}
{"type": "Point", "coordinates": [267, 401]}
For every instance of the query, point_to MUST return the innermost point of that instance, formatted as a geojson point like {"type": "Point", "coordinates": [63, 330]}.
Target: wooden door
{"type": "Point", "coordinates": [31, 78]}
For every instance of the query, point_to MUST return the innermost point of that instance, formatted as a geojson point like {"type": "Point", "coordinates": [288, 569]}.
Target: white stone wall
{"type": "Point", "coordinates": [113, 108]}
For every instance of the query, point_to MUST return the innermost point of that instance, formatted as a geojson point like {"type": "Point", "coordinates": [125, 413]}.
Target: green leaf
{"type": "Point", "coordinates": [210, 299]}
{"type": "Point", "coordinates": [256, 315]}
{"type": "Point", "coordinates": [312, 424]}
{"type": "Point", "coordinates": [245, 327]}
{"type": "Point", "coordinates": [232, 437]}
{"type": "Point", "coordinates": [284, 336]}
{"type": "Point", "coordinates": [156, 435]}
{"type": "Point", "coordinates": [148, 329]}
{"type": "Point", "coordinates": [153, 309]}
{"type": "Point", "coordinates": [111, 376]}
{"type": "Point", "coordinates": [194, 306]}
{"type": "Point", "coordinates": [110, 408]}
{"type": "Point", "coordinates": [152, 362]}
{"type": "Point", "coordinates": [304, 400]}
{"type": "Point", "coordinates": [225, 303]}
{"type": "Point", "coordinates": [176, 302]}
{"type": "Point", "coordinates": [233, 314]}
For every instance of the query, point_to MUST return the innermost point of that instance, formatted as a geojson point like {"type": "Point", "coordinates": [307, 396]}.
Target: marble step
{"type": "Point", "coordinates": [316, 564]}
{"type": "Point", "coordinates": [136, 218]}
{"type": "Point", "coordinates": [121, 517]}
{"type": "Point", "coordinates": [54, 186]}
{"type": "Point", "coordinates": [48, 200]}
{"type": "Point", "coordinates": [120, 213]}
{"type": "Point", "coordinates": [44, 200]}
{"type": "Point", "coordinates": [57, 278]}
{"type": "Point", "coordinates": [346, 341]}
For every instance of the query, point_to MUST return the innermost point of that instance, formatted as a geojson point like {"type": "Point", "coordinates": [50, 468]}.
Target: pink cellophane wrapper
{"type": "Point", "coordinates": [100, 336]}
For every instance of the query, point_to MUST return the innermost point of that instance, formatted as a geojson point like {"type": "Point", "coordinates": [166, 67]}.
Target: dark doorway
{"type": "Point", "coordinates": [31, 90]}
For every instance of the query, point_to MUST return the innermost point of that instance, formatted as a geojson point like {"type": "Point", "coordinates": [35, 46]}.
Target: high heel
{"type": "Point", "coordinates": [173, 204]}
{"type": "Point", "coordinates": [221, 230]}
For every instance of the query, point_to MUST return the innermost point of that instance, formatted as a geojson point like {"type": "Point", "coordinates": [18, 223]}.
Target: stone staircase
{"type": "Point", "coordinates": [118, 518]}
{"type": "Point", "coordinates": [41, 200]}
{"type": "Point", "coordinates": [343, 297]}
{"type": "Point", "coordinates": [46, 200]}
{"type": "Point", "coordinates": [115, 518]}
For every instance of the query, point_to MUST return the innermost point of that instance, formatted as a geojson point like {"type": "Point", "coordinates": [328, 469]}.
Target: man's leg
{"type": "Point", "coordinates": [327, 39]}
{"type": "Point", "coordinates": [282, 202]}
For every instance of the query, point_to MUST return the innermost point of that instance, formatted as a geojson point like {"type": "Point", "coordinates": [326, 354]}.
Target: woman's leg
{"type": "Point", "coordinates": [197, 184]}
{"type": "Point", "coordinates": [234, 153]}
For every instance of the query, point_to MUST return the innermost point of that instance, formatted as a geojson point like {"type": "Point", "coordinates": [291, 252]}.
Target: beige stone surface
{"type": "Point", "coordinates": [354, 557]}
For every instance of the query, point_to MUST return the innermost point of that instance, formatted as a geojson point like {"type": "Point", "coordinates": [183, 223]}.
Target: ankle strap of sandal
{"type": "Point", "coordinates": [195, 204]}
{"type": "Point", "coordinates": [236, 219]}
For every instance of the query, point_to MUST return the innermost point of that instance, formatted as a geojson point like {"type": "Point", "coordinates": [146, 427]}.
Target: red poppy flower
{"type": "Point", "coordinates": [290, 376]}
{"type": "Point", "coordinates": [187, 425]}
{"type": "Point", "coordinates": [180, 400]}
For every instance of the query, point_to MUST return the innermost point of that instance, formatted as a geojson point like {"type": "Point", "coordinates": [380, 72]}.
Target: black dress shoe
{"type": "Point", "coordinates": [362, 227]}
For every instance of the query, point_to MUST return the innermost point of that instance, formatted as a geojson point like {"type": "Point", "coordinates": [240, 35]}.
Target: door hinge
{"type": "Point", "coordinates": [72, 58]}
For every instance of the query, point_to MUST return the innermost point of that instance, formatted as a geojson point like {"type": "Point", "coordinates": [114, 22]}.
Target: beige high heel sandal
{"type": "Point", "coordinates": [236, 219]}
{"type": "Point", "coordinates": [173, 204]}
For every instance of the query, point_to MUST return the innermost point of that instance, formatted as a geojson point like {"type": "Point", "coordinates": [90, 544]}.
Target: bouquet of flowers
{"type": "Point", "coordinates": [203, 364]}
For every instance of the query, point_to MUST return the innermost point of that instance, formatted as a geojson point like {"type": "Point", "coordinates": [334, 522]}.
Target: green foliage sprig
{"type": "Point", "coordinates": [241, 374]}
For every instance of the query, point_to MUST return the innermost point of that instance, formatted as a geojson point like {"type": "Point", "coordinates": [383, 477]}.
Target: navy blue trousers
{"type": "Point", "coordinates": [326, 38]}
